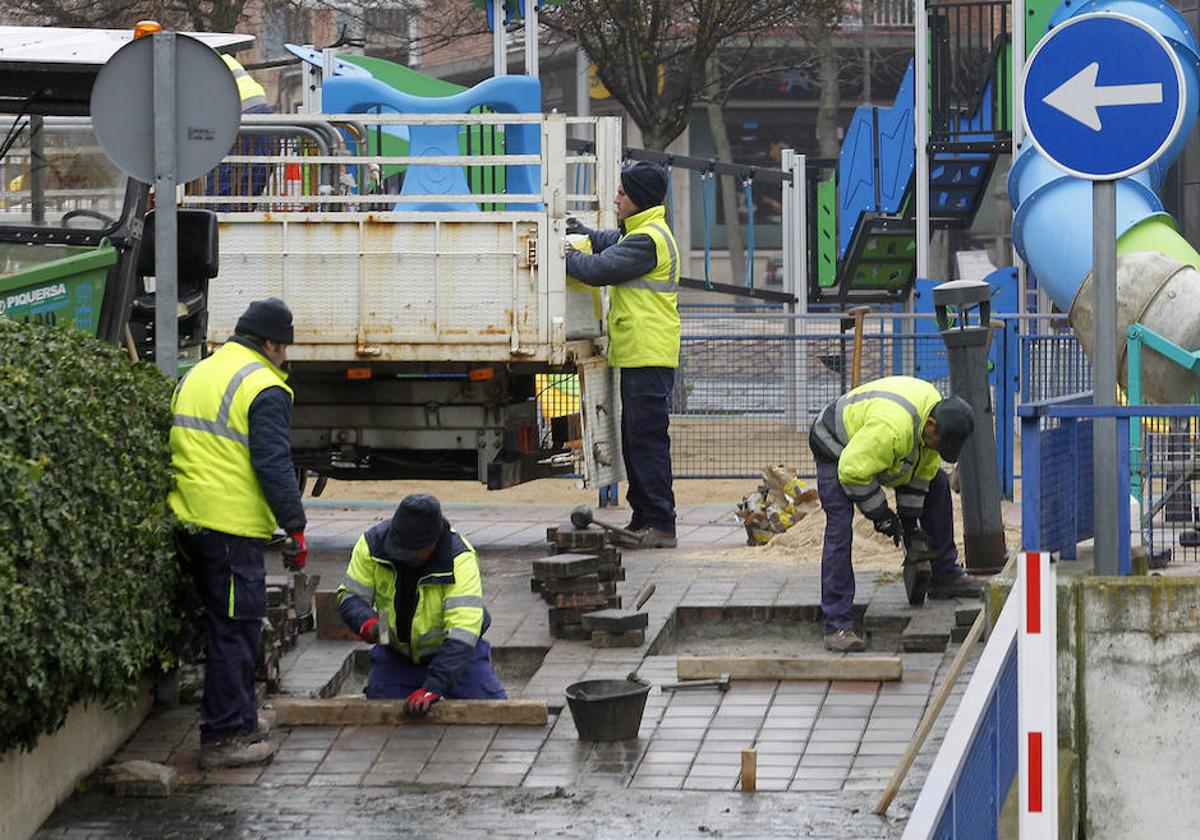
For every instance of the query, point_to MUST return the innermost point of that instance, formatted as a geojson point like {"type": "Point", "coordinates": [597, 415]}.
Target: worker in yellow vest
{"type": "Point", "coordinates": [244, 179]}
{"type": "Point", "coordinates": [892, 432]}
{"type": "Point", "coordinates": [640, 263]}
{"type": "Point", "coordinates": [252, 94]}
{"type": "Point", "coordinates": [231, 457]}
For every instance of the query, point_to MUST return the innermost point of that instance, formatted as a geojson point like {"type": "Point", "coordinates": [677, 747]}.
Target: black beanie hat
{"type": "Point", "coordinates": [955, 423]}
{"type": "Point", "coordinates": [270, 319]}
{"type": "Point", "coordinates": [645, 183]}
{"type": "Point", "coordinates": [417, 523]}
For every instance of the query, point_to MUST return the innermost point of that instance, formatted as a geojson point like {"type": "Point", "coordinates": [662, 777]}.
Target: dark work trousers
{"type": "Point", "coordinates": [232, 579]}
{"type": "Point", "coordinates": [646, 446]}
{"type": "Point", "coordinates": [837, 573]}
{"type": "Point", "coordinates": [394, 677]}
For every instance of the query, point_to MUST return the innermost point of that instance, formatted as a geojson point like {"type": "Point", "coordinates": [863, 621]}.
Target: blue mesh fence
{"type": "Point", "coordinates": [990, 765]}
{"type": "Point", "coordinates": [1169, 473]}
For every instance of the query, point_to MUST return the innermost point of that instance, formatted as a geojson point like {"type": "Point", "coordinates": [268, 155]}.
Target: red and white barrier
{"type": "Point", "coordinates": [1037, 697]}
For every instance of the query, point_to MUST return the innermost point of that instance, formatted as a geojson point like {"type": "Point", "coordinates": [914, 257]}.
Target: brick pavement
{"type": "Point", "coordinates": [820, 739]}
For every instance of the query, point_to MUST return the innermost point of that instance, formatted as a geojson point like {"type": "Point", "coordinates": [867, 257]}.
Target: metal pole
{"type": "Point", "coordinates": [531, 38]}
{"type": "Point", "coordinates": [583, 97]}
{"type": "Point", "coordinates": [37, 170]}
{"type": "Point", "coordinates": [921, 130]}
{"type": "Point", "coordinates": [310, 94]}
{"type": "Point", "coordinates": [867, 12]}
{"type": "Point", "coordinates": [1017, 100]}
{"type": "Point", "coordinates": [792, 257]}
{"type": "Point", "coordinates": [1104, 376]}
{"type": "Point", "coordinates": [499, 45]}
{"type": "Point", "coordinates": [166, 284]}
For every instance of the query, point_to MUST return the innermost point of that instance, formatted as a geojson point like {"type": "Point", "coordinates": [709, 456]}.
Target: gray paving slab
{"type": "Point", "coordinates": [818, 741]}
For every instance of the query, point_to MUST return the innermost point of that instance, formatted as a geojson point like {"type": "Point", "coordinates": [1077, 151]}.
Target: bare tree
{"type": "Point", "coordinates": [197, 15]}
{"type": "Point", "coordinates": [654, 56]}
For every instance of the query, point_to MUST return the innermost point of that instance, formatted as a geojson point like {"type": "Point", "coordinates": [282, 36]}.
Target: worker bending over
{"type": "Point", "coordinates": [414, 592]}
{"type": "Point", "coordinates": [892, 432]}
{"type": "Point", "coordinates": [640, 261]}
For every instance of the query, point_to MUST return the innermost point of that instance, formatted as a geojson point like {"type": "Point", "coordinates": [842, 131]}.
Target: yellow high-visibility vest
{"type": "Point", "coordinates": [215, 484]}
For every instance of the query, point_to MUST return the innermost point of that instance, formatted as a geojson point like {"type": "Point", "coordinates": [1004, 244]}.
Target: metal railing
{"type": "Point", "coordinates": [971, 46]}
{"type": "Point", "coordinates": [883, 13]}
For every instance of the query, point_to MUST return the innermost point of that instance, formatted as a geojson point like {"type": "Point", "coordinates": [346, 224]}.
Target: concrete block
{"type": "Point", "coordinates": [616, 621]}
{"type": "Point", "coordinates": [564, 566]}
{"type": "Point", "coordinates": [629, 638]}
{"type": "Point", "coordinates": [583, 583]}
{"type": "Point", "coordinates": [142, 778]}
{"type": "Point", "coordinates": [329, 621]}
{"type": "Point", "coordinates": [1139, 677]}
{"type": "Point", "coordinates": [591, 600]}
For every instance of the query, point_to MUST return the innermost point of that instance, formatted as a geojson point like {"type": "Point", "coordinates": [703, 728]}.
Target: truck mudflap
{"type": "Point", "coordinates": [600, 414]}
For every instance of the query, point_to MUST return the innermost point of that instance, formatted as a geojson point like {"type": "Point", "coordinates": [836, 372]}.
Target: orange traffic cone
{"type": "Point", "coordinates": [293, 185]}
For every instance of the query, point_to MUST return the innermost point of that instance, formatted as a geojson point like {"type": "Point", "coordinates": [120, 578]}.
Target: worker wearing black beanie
{"type": "Point", "coordinates": [645, 183]}
{"type": "Point", "coordinates": [640, 262]}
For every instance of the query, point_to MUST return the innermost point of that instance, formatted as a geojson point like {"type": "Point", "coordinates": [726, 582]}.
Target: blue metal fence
{"type": "Point", "coordinates": [990, 765]}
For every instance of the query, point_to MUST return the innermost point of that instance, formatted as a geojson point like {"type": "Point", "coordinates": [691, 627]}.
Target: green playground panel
{"type": "Point", "coordinates": [887, 262]}
{"type": "Point", "coordinates": [827, 233]}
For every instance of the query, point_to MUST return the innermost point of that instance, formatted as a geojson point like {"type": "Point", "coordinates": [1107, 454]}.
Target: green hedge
{"type": "Point", "coordinates": [89, 584]}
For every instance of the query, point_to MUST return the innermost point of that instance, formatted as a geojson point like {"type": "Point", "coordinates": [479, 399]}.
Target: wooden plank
{"type": "Point", "coordinates": [345, 711]}
{"type": "Point", "coordinates": [874, 668]}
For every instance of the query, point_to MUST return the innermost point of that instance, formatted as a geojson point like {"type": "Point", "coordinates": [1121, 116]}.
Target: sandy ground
{"type": "Point", "coordinates": [800, 544]}
{"type": "Point", "coordinates": [547, 491]}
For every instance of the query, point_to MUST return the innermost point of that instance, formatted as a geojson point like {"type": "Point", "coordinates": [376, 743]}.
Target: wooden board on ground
{"type": "Point", "coordinates": [346, 711]}
{"type": "Point", "coordinates": [873, 668]}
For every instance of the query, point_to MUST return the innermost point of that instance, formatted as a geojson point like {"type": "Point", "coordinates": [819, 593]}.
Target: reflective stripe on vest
{"type": "Point", "coordinates": [843, 437]}
{"type": "Point", "coordinates": [215, 483]}
{"type": "Point", "coordinates": [220, 426]}
{"type": "Point", "coordinates": [670, 286]}
{"type": "Point", "coordinates": [250, 92]}
{"type": "Point", "coordinates": [643, 318]}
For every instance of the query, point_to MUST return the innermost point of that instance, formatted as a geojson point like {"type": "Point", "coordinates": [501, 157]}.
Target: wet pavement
{"type": "Point", "coordinates": [825, 750]}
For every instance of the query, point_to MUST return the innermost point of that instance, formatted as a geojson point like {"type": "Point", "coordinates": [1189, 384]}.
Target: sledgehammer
{"type": "Point", "coordinates": [582, 517]}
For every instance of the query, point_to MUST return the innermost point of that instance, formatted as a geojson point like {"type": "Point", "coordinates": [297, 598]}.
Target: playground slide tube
{"type": "Point", "coordinates": [1052, 225]}
{"type": "Point", "coordinates": [1158, 283]}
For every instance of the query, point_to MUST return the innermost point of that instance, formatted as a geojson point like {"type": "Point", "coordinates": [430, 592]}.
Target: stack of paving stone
{"type": "Point", "coordinates": [616, 628]}
{"type": "Point", "coordinates": [580, 576]}
{"type": "Point", "coordinates": [289, 613]}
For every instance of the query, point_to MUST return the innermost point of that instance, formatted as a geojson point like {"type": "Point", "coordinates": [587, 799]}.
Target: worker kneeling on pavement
{"type": "Point", "coordinates": [413, 590]}
{"type": "Point", "coordinates": [892, 432]}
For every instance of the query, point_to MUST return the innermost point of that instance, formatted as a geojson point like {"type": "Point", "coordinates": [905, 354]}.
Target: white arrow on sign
{"type": "Point", "coordinates": [1079, 96]}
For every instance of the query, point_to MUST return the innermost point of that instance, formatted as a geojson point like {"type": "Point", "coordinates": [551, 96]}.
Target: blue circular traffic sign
{"type": "Point", "coordinates": [1103, 96]}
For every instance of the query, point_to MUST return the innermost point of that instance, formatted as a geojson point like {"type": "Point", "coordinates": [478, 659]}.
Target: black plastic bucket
{"type": "Point", "coordinates": [607, 710]}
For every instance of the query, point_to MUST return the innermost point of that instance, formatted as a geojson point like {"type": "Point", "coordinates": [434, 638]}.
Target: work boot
{"type": "Point", "coordinates": [262, 730]}
{"type": "Point", "coordinates": [631, 540]}
{"type": "Point", "coordinates": [844, 641]}
{"type": "Point", "coordinates": [654, 538]}
{"type": "Point", "coordinates": [963, 586]}
{"type": "Point", "coordinates": [235, 752]}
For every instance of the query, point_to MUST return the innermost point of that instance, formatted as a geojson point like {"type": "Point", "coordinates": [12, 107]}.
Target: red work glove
{"type": "Point", "coordinates": [295, 551]}
{"type": "Point", "coordinates": [417, 704]}
{"type": "Point", "coordinates": [369, 632]}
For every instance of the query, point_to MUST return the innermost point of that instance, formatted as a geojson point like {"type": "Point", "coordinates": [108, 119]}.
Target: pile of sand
{"type": "Point", "coordinates": [802, 542]}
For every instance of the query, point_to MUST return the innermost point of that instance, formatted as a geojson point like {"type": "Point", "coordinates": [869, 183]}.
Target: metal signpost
{"type": "Point", "coordinates": [165, 109]}
{"type": "Point", "coordinates": [1103, 97]}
